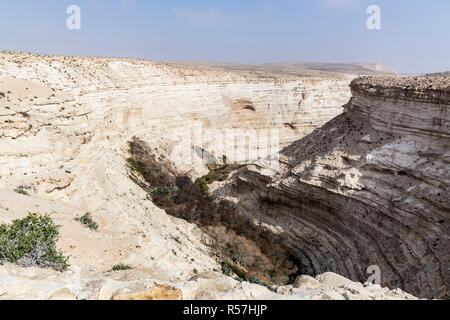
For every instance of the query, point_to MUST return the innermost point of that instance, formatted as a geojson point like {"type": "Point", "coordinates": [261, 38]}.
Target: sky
{"type": "Point", "coordinates": [414, 37]}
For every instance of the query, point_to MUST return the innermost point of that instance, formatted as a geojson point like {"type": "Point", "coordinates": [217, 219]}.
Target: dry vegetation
{"type": "Point", "coordinates": [259, 253]}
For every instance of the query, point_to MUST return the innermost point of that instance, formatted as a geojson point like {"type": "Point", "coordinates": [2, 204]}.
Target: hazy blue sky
{"type": "Point", "coordinates": [415, 34]}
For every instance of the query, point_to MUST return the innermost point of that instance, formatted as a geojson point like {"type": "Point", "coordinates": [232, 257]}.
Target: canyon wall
{"type": "Point", "coordinates": [65, 124]}
{"type": "Point", "coordinates": [64, 104]}
{"type": "Point", "coordinates": [368, 189]}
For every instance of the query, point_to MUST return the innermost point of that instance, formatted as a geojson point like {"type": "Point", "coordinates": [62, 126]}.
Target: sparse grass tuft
{"type": "Point", "coordinates": [21, 191]}
{"type": "Point", "coordinates": [121, 266]}
{"type": "Point", "coordinates": [87, 220]}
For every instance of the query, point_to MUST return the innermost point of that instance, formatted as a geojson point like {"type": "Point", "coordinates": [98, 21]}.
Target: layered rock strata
{"type": "Point", "coordinates": [65, 124]}
{"type": "Point", "coordinates": [369, 189]}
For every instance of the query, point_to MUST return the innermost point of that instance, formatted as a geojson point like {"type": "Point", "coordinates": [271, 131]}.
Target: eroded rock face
{"type": "Point", "coordinates": [370, 187]}
{"type": "Point", "coordinates": [65, 121]}
{"type": "Point", "coordinates": [65, 124]}
{"type": "Point", "coordinates": [34, 283]}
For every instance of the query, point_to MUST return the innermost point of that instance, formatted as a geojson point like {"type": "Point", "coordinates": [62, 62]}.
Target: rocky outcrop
{"type": "Point", "coordinates": [35, 283]}
{"type": "Point", "coordinates": [369, 188]}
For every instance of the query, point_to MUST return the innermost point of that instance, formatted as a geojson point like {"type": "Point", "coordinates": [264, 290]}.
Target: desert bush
{"type": "Point", "coordinates": [161, 191]}
{"type": "Point", "coordinates": [202, 185]}
{"type": "Point", "coordinates": [31, 241]}
{"type": "Point", "coordinates": [136, 165]}
{"type": "Point", "coordinates": [87, 220]}
{"type": "Point", "coordinates": [232, 268]}
{"type": "Point", "coordinates": [226, 270]}
{"type": "Point", "coordinates": [21, 191]}
{"type": "Point", "coordinates": [217, 172]}
{"type": "Point", "coordinates": [213, 175]}
{"type": "Point", "coordinates": [121, 266]}
{"type": "Point", "coordinates": [262, 283]}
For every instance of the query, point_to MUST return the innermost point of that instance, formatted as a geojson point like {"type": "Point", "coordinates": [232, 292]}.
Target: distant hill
{"type": "Point", "coordinates": [301, 68]}
{"type": "Point", "coordinates": [442, 74]}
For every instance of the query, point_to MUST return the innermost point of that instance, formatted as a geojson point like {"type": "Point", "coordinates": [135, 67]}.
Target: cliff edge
{"type": "Point", "coordinates": [368, 189]}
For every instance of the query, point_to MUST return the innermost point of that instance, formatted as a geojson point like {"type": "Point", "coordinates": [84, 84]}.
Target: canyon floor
{"type": "Point", "coordinates": [360, 178]}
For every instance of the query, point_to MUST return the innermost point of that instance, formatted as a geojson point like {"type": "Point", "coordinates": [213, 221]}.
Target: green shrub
{"type": "Point", "coordinates": [161, 191]}
{"type": "Point", "coordinates": [202, 184]}
{"type": "Point", "coordinates": [121, 266]}
{"type": "Point", "coordinates": [136, 165]}
{"type": "Point", "coordinates": [31, 241]}
{"type": "Point", "coordinates": [216, 172]}
{"type": "Point", "coordinates": [262, 283]}
{"type": "Point", "coordinates": [87, 220]}
{"type": "Point", "coordinates": [21, 191]}
{"type": "Point", "coordinates": [213, 175]}
{"type": "Point", "coordinates": [228, 268]}
{"type": "Point", "coordinates": [2, 94]}
{"type": "Point", "coordinates": [238, 271]}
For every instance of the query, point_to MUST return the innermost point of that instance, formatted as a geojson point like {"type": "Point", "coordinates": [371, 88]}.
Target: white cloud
{"type": "Point", "coordinates": [209, 17]}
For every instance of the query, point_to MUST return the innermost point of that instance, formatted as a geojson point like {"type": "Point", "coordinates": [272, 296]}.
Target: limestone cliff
{"type": "Point", "coordinates": [65, 124]}
{"type": "Point", "coordinates": [370, 187]}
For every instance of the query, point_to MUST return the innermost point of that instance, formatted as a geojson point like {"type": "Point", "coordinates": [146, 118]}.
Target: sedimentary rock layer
{"type": "Point", "coordinates": [369, 188]}
{"type": "Point", "coordinates": [65, 124]}
{"type": "Point", "coordinates": [59, 105]}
